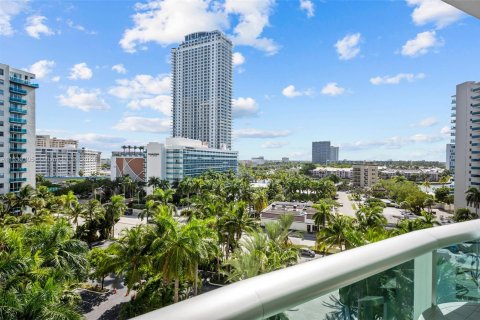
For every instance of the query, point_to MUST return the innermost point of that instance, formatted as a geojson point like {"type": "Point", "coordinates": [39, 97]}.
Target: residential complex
{"type": "Point", "coordinates": [258, 160]}
{"type": "Point", "coordinates": [302, 215]}
{"type": "Point", "coordinates": [450, 159]}
{"type": "Point", "coordinates": [45, 141]}
{"type": "Point", "coordinates": [17, 144]}
{"type": "Point", "coordinates": [202, 89]}
{"type": "Point", "coordinates": [174, 160]}
{"type": "Point", "coordinates": [466, 112]}
{"type": "Point", "coordinates": [323, 152]}
{"type": "Point", "coordinates": [57, 162]}
{"type": "Point", "coordinates": [364, 175]}
{"type": "Point", "coordinates": [89, 162]}
{"type": "Point", "coordinates": [419, 175]}
{"type": "Point", "coordinates": [322, 172]}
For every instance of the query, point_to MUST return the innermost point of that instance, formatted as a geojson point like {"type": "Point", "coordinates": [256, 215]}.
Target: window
{"type": "Point", "coordinates": [1, 72]}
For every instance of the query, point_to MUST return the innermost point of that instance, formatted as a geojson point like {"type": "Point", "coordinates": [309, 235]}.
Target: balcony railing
{"type": "Point", "coordinates": [17, 120]}
{"type": "Point", "coordinates": [17, 90]}
{"type": "Point", "coordinates": [17, 180]}
{"type": "Point", "coordinates": [18, 150]}
{"type": "Point", "coordinates": [18, 169]}
{"type": "Point", "coordinates": [16, 100]}
{"type": "Point", "coordinates": [18, 140]}
{"type": "Point", "coordinates": [24, 82]}
{"type": "Point", "coordinates": [17, 130]}
{"type": "Point", "coordinates": [402, 276]}
{"type": "Point", "coordinates": [17, 110]}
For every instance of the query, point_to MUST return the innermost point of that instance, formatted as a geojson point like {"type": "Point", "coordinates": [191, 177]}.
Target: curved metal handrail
{"type": "Point", "coordinates": [269, 294]}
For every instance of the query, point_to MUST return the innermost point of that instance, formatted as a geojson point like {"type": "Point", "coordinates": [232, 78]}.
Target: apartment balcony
{"type": "Point", "coordinates": [24, 82]}
{"type": "Point", "coordinates": [17, 90]}
{"type": "Point", "coordinates": [17, 130]}
{"type": "Point", "coordinates": [18, 170]}
{"type": "Point", "coordinates": [17, 140]}
{"type": "Point", "coordinates": [17, 180]}
{"type": "Point", "coordinates": [17, 110]}
{"type": "Point", "coordinates": [412, 276]}
{"type": "Point", "coordinates": [17, 120]}
{"type": "Point", "coordinates": [476, 89]}
{"type": "Point", "coordinates": [17, 100]}
{"type": "Point", "coordinates": [18, 150]}
{"type": "Point", "coordinates": [475, 128]}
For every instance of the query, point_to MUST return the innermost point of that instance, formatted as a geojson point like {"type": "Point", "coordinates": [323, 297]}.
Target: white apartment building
{"type": "Point", "coordinates": [322, 172]}
{"type": "Point", "coordinates": [57, 162]}
{"type": "Point", "coordinates": [202, 89]}
{"type": "Point", "coordinates": [89, 161]}
{"type": "Point", "coordinates": [256, 161]}
{"type": "Point", "coordinates": [45, 141]}
{"type": "Point", "coordinates": [364, 175]}
{"type": "Point", "coordinates": [467, 139]}
{"type": "Point", "coordinates": [450, 159]}
{"type": "Point", "coordinates": [17, 129]}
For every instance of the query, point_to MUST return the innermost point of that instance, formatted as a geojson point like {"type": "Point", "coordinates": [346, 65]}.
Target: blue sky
{"type": "Point", "coordinates": [374, 77]}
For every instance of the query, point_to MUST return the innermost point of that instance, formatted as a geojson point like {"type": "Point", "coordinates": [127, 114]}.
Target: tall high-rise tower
{"type": "Point", "coordinates": [202, 89]}
{"type": "Point", "coordinates": [466, 113]}
{"type": "Point", "coordinates": [17, 133]}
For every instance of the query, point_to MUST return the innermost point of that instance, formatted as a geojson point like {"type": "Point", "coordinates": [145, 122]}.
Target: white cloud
{"type": "Point", "coordinates": [80, 71]}
{"type": "Point", "coordinates": [445, 130]}
{"type": "Point", "coordinates": [168, 21]}
{"type": "Point", "coordinates": [274, 144]}
{"type": "Point", "coordinates": [422, 43]}
{"type": "Point", "coordinates": [308, 6]}
{"type": "Point", "coordinates": [434, 11]}
{"type": "Point", "coordinates": [395, 142]}
{"type": "Point", "coordinates": [348, 46]}
{"type": "Point", "coordinates": [291, 92]}
{"type": "Point", "coordinates": [78, 27]}
{"type": "Point", "coordinates": [244, 107]}
{"type": "Point", "coordinates": [255, 133]}
{"type": "Point", "coordinates": [119, 68]}
{"type": "Point", "coordinates": [83, 99]}
{"type": "Point", "coordinates": [410, 77]}
{"type": "Point", "coordinates": [56, 78]}
{"type": "Point", "coordinates": [145, 91]}
{"type": "Point", "coordinates": [8, 10]}
{"type": "Point", "coordinates": [332, 89]}
{"type": "Point", "coordinates": [238, 59]}
{"type": "Point", "coordinates": [35, 27]}
{"type": "Point", "coordinates": [41, 68]}
{"type": "Point", "coordinates": [427, 122]}
{"type": "Point", "coordinates": [140, 124]}
{"type": "Point", "coordinates": [253, 17]}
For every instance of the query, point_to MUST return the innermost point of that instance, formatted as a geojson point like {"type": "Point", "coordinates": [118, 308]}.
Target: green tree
{"type": "Point", "coordinates": [113, 211]}
{"type": "Point", "coordinates": [473, 198]}
{"type": "Point", "coordinates": [463, 214]}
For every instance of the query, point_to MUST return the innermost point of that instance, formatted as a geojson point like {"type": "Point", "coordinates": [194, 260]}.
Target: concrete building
{"type": "Point", "coordinates": [322, 172]}
{"type": "Point", "coordinates": [302, 214]}
{"type": "Point", "coordinates": [467, 139]}
{"type": "Point", "coordinates": [17, 134]}
{"type": "Point", "coordinates": [258, 161]}
{"type": "Point", "coordinates": [57, 162]}
{"type": "Point", "coordinates": [285, 159]}
{"type": "Point", "coordinates": [89, 162]}
{"type": "Point", "coordinates": [174, 160]}
{"type": "Point", "coordinates": [202, 89]}
{"type": "Point", "coordinates": [320, 152]}
{"type": "Point", "coordinates": [364, 175]}
{"type": "Point", "coordinates": [333, 154]}
{"type": "Point", "coordinates": [419, 175]}
{"type": "Point", "coordinates": [44, 141]}
{"type": "Point", "coordinates": [450, 159]}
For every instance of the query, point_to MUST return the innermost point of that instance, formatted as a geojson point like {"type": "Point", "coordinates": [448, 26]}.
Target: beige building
{"type": "Point", "coordinates": [364, 175]}
{"type": "Point", "coordinates": [44, 141]}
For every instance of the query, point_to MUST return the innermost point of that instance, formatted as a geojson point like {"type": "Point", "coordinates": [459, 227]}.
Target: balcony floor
{"type": "Point", "coordinates": [453, 311]}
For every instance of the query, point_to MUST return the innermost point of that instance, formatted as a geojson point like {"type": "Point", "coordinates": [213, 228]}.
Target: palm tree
{"type": "Point", "coordinates": [370, 217]}
{"type": "Point", "coordinates": [323, 213]}
{"type": "Point", "coordinates": [235, 222]}
{"type": "Point", "coordinates": [130, 255]}
{"type": "Point", "coordinates": [68, 200]}
{"type": "Point", "coordinates": [113, 210]}
{"type": "Point", "coordinates": [93, 209]}
{"type": "Point", "coordinates": [124, 148]}
{"type": "Point", "coordinates": [154, 182]}
{"type": "Point", "coordinates": [260, 200]}
{"type": "Point", "coordinates": [76, 211]}
{"type": "Point", "coordinates": [426, 185]}
{"type": "Point", "coordinates": [473, 198]}
{"type": "Point", "coordinates": [24, 196]}
{"type": "Point", "coordinates": [150, 209]}
{"type": "Point", "coordinates": [429, 202]}
{"type": "Point", "coordinates": [135, 149]}
{"type": "Point", "coordinates": [335, 233]}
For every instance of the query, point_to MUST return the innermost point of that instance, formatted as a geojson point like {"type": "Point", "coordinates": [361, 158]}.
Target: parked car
{"type": "Point", "coordinates": [307, 252]}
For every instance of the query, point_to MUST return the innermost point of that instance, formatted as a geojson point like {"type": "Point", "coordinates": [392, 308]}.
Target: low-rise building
{"type": "Point", "coordinates": [256, 161]}
{"type": "Point", "coordinates": [302, 214]}
{"type": "Point", "coordinates": [364, 175]}
{"type": "Point", "coordinates": [322, 172]}
{"type": "Point", "coordinates": [131, 163]}
{"type": "Point", "coordinates": [285, 159]}
{"type": "Point", "coordinates": [419, 175]}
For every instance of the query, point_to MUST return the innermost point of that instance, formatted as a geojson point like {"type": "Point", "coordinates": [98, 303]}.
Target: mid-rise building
{"type": "Point", "coordinates": [364, 175]}
{"type": "Point", "coordinates": [174, 160]}
{"type": "Point", "coordinates": [17, 129]}
{"type": "Point", "coordinates": [320, 152]}
{"type": "Point", "coordinates": [467, 140]}
{"type": "Point", "coordinates": [57, 162]}
{"type": "Point", "coordinates": [202, 89]}
{"type": "Point", "coordinates": [45, 141]}
{"type": "Point", "coordinates": [333, 154]}
{"type": "Point", "coordinates": [322, 172]}
{"type": "Point", "coordinates": [285, 159]}
{"type": "Point", "coordinates": [89, 162]}
{"type": "Point", "coordinates": [258, 160]}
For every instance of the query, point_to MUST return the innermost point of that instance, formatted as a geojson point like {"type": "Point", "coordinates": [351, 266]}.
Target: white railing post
{"type": "Point", "coordinates": [422, 284]}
